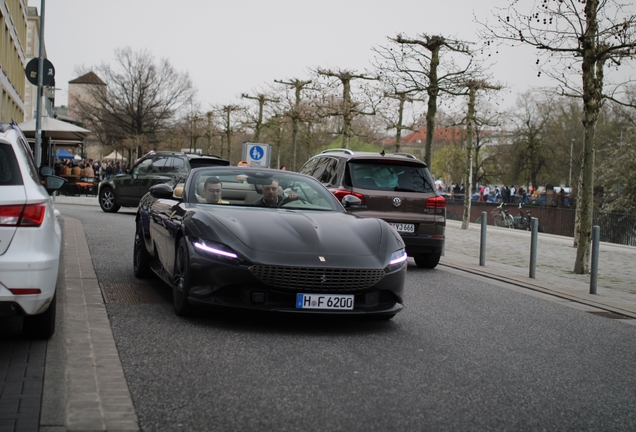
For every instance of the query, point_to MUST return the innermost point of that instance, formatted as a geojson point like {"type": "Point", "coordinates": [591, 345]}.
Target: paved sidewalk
{"type": "Point", "coordinates": [508, 260]}
{"type": "Point", "coordinates": [84, 386]}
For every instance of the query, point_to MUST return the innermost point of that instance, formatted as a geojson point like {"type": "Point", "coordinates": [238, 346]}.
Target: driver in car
{"type": "Point", "coordinates": [274, 197]}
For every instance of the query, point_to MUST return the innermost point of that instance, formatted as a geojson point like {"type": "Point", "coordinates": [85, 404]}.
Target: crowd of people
{"type": "Point", "coordinates": [509, 194]}
{"type": "Point", "coordinates": [89, 169]}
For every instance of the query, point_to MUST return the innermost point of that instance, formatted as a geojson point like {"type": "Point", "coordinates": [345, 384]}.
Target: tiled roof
{"type": "Point", "coordinates": [89, 78]}
{"type": "Point", "coordinates": [440, 134]}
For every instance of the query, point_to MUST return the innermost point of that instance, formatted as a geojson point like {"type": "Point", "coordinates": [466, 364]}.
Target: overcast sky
{"type": "Point", "coordinates": [234, 46]}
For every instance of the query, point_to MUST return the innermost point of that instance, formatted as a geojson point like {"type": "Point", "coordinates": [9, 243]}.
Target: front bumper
{"type": "Point", "coordinates": [218, 283]}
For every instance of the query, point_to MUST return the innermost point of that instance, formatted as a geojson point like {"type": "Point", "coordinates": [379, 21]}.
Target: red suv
{"type": "Point", "coordinates": [395, 187]}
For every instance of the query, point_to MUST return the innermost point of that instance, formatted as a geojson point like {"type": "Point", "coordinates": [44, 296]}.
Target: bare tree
{"type": "Point", "coordinates": [473, 86]}
{"type": "Point", "coordinates": [348, 109]}
{"type": "Point", "coordinates": [532, 150]}
{"type": "Point", "coordinates": [228, 127]}
{"type": "Point", "coordinates": [258, 120]}
{"type": "Point", "coordinates": [580, 39]}
{"type": "Point", "coordinates": [295, 113]}
{"type": "Point", "coordinates": [396, 93]}
{"type": "Point", "coordinates": [418, 60]}
{"type": "Point", "coordinates": [143, 98]}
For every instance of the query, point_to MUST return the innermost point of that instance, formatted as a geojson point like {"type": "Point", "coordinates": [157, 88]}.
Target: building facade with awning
{"type": "Point", "coordinates": [56, 133]}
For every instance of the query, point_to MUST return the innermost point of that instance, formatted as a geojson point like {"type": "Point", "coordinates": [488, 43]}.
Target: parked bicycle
{"type": "Point", "coordinates": [522, 221]}
{"type": "Point", "coordinates": [501, 217]}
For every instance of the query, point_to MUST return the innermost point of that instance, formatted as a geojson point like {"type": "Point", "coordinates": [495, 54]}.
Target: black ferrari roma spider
{"type": "Point", "coordinates": [271, 240]}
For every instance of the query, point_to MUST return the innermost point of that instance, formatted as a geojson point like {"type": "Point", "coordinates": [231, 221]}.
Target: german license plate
{"type": "Point", "coordinates": [324, 301]}
{"type": "Point", "coordinates": [404, 228]}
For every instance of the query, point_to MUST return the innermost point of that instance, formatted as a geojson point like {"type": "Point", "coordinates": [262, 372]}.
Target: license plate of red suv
{"type": "Point", "coordinates": [404, 228]}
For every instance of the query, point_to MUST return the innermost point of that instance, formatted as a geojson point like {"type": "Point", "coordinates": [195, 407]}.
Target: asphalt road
{"type": "Point", "coordinates": [465, 354]}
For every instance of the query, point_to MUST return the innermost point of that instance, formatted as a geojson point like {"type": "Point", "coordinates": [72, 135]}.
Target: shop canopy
{"type": "Point", "coordinates": [63, 154]}
{"type": "Point", "coordinates": [114, 156]}
{"type": "Point", "coordinates": [59, 131]}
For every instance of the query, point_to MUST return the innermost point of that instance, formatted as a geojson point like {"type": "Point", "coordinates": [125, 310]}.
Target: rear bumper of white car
{"type": "Point", "coordinates": [30, 263]}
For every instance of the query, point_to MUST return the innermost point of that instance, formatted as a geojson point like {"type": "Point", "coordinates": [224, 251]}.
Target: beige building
{"type": "Point", "coordinates": [81, 90]}
{"type": "Point", "coordinates": [13, 59]}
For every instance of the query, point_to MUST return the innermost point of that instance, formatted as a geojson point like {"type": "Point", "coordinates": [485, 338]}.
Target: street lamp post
{"type": "Point", "coordinates": [38, 109]}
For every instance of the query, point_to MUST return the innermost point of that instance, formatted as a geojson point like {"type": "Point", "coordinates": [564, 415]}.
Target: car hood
{"type": "Point", "coordinates": [301, 232]}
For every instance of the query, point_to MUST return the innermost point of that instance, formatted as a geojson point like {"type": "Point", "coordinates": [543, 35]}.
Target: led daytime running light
{"type": "Point", "coordinates": [400, 258]}
{"type": "Point", "coordinates": [215, 251]}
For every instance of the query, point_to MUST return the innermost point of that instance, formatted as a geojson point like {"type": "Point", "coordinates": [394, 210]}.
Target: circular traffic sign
{"type": "Point", "coordinates": [31, 71]}
{"type": "Point", "coordinates": [257, 153]}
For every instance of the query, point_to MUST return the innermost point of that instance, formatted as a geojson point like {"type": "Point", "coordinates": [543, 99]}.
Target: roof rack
{"type": "Point", "coordinates": [337, 150]}
{"type": "Point", "coordinates": [408, 155]}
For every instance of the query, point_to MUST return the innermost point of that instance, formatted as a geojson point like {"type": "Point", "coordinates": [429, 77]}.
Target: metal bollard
{"type": "Point", "coordinates": [482, 242]}
{"type": "Point", "coordinates": [596, 240]}
{"type": "Point", "coordinates": [534, 224]}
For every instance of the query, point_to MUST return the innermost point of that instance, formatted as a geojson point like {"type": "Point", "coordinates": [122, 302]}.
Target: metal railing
{"type": "Point", "coordinates": [615, 228]}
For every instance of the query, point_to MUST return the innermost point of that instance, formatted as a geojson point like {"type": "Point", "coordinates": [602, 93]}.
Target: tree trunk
{"type": "Point", "coordinates": [346, 113]}
{"type": "Point", "coordinates": [433, 91]}
{"type": "Point", "coordinates": [592, 91]}
{"type": "Point", "coordinates": [398, 129]}
{"type": "Point", "coordinates": [468, 186]}
{"type": "Point", "coordinates": [577, 211]}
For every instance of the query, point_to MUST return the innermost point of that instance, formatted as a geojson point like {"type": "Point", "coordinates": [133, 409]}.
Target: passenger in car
{"type": "Point", "coordinates": [212, 190]}
{"type": "Point", "coordinates": [274, 197]}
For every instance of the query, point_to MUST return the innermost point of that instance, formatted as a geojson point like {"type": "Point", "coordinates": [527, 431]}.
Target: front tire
{"type": "Point", "coordinates": [40, 326]}
{"type": "Point", "coordinates": [181, 280]}
{"type": "Point", "coordinates": [428, 261]}
{"type": "Point", "coordinates": [498, 221]}
{"type": "Point", "coordinates": [107, 201]}
{"type": "Point", "coordinates": [510, 221]}
{"type": "Point", "coordinates": [141, 257]}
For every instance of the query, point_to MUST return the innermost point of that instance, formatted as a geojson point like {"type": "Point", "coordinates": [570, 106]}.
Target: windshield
{"type": "Point", "coordinates": [253, 187]}
{"type": "Point", "coordinates": [390, 176]}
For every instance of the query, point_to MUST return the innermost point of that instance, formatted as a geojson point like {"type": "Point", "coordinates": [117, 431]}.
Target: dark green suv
{"type": "Point", "coordinates": [126, 190]}
{"type": "Point", "coordinates": [397, 188]}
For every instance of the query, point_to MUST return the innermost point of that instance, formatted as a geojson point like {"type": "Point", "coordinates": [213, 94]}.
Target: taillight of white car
{"type": "Point", "coordinates": [27, 215]}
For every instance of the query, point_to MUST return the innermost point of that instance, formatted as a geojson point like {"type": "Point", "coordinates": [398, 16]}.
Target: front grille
{"type": "Point", "coordinates": [317, 279]}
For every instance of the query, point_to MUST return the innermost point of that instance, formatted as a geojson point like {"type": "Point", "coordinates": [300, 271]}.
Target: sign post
{"type": "Point", "coordinates": [257, 154]}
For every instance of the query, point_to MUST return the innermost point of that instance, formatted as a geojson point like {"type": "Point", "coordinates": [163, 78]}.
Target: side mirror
{"type": "Point", "coordinates": [162, 191]}
{"type": "Point", "coordinates": [351, 201]}
{"type": "Point", "coordinates": [46, 171]}
{"type": "Point", "coordinates": [53, 183]}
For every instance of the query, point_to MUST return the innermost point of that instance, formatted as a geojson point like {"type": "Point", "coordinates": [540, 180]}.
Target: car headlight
{"type": "Point", "coordinates": [398, 259]}
{"type": "Point", "coordinates": [216, 250]}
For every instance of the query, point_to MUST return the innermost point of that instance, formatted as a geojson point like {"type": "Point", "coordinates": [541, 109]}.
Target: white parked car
{"type": "Point", "coordinates": [30, 236]}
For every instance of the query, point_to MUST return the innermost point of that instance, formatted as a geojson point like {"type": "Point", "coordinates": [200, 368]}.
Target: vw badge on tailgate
{"type": "Point", "coordinates": [397, 201]}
